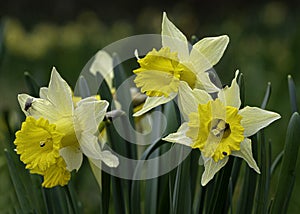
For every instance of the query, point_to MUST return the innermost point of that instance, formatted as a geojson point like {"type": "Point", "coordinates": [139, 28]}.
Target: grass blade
{"type": "Point", "coordinates": [22, 195]}
{"type": "Point", "coordinates": [287, 171]}
{"type": "Point", "coordinates": [292, 92]}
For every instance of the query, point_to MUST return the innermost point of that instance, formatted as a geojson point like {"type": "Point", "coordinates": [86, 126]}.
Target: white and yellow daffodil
{"type": "Point", "coordinates": [161, 71]}
{"type": "Point", "coordinates": [218, 128]}
{"type": "Point", "coordinates": [56, 133]}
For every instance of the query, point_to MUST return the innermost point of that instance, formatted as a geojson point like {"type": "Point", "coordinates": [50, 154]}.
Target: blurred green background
{"type": "Point", "coordinates": [264, 46]}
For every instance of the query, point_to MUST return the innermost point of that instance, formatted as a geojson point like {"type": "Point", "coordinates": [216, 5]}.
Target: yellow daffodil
{"type": "Point", "coordinates": [161, 71]}
{"type": "Point", "coordinates": [218, 128]}
{"type": "Point", "coordinates": [56, 133]}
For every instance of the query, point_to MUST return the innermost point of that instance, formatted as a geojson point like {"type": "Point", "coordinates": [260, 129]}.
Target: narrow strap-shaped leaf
{"type": "Point", "coordinates": [123, 84]}
{"type": "Point", "coordinates": [292, 92]}
{"type": "Point", "coordinates": [218, 200]}
{"type": "Point", "coordinates": [287, 172]}
{"type": "Point", "coordinates": [71, 198]}
{"type": "Point", "coordinates": [22, 195]}
{"type": "Point", "coordinates": [105, 192]}
{"type": "Point", "coordinates": [264, 178]}
{"type": "Point", "coordinates": [182, 188]}
{"type": "Point", "coordinates": [241, 84]}
{"type": "Point", "coordinates": [136, 184]}
{"type": "Point", "coordinates": [246, 199]}
{"type": "Point", "coordinates": [276, 162]}
{"type": "Point", "coordinates": [267, 96]}
{"type": "Point", "coordinates": [83, 87]}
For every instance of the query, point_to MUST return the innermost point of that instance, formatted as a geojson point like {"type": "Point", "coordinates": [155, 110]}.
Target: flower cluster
{"type": "Point", "coordinates": [60, 128]}
{"type": "Point", "coordinates": [214, 125]}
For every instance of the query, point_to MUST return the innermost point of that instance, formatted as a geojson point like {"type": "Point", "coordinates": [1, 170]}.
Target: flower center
{"type": "Point", "coordinates": [160, 73]}
{"type": "Point", "coordinates": [219, 128]}
{"type": "Point", "coordinates": [216, 129]}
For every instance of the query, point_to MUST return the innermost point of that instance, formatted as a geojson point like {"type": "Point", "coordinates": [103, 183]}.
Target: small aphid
{"type": "Point", "coordinates": [42, 143]}
{"type": "Point", "coordinates": [224, 153]}
{"type": "Point", "coordinates": [28, 104]}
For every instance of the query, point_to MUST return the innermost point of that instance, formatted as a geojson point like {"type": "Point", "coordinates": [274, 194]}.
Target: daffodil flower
{"type": "Point", "coordinates": [162, 71]}
{"type": "Point", "coordinates": [218, 128]}
{"type": "Point", "coordinates": [56, 132]}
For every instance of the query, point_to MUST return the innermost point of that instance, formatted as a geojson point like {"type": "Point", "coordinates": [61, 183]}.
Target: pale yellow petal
{"type": "Point", "coordinates": [89, 113]}
{"type": "Point", "coordinates": [152, 102]}
{"type": "Point", "coordinates": [199, 62]}
{"type": "Point", "coordinates": [212, 47]}
{"type": "Point", "coordinates": [246, 153]}
{"type": "Point", "coordinates": [43, 92]}
{"type": "Point", "coordinates": [203, 82]}
{"type": "Point", "coordinates": [180, 136]}
{"type": "Point", "coordinates": [106, 157]}
{"type": "Point", "coordinates": [72, 156]}
{"type": "Point", "coordinates": [211, 168]}
{"type": "Point", "coordinates": [60, 94]}
{"type": "Point", "coordinates": [173, 38]}
{"type": "Point", "coordinates": [230, 96]}
{"type": "Point", "coordinates": [254, 119]}
{"type": "Point", "coordinates": [89, 145]}
{"type": "Point", "coordinates": [37, 108]}
{"type": "Point", "coordinates": [188, 99]}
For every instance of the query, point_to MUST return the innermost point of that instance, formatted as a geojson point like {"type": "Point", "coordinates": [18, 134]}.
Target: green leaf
{"type": "Point", "coordinates": [105, 192]}
{"type": "Point", "coordinates": [292, 92]}
{"type": "Point", "coordinates": [264, 178]}
{"type": "Point", "coordinates": [217, 201]}
{"type": "Point", "coordinates": [83, 87]}
{"type": "Point", "coordinates": [276, 162]}
{"type": "Point", "coordinates": [241, 84]}
{"type": "Point", "coordinates": [182, 188]}
{"type": "Point", "coordinates": [264, 163]}
{"type": "Point", "coordinates": [287, 172]}
{"type": "Point", "coordinates": [22, 195]}
{"type": "Point", "coordinates": [267, 96]}
{"type": "Point", "coordinates": [246, 199]}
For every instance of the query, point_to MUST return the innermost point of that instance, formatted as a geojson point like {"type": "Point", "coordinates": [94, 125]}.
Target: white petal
{"type": "Point", "coordinates": [108, 158]}
{"type": "Point", "coordinates": [246, 154]}
{"type": "Point", "coordinates": [103, 63]}
{"type": "Point", "coordinates": [60, 94]}
{"type": "Point", "coordinates": [199, 61]}
{"type": "Point", "coordinates": [43, 93]}
{"type": "Point", "coordinates": [173, 38]}
{"type": "Point", "coordinates": [37, 108]}
{"type": "Point", "coordinates": [254, 119]}
{"type": "Point", "coordinates": [72, 157]}
{"type": "Point", "coordinates": [90, 146]}
{"type": "Point", "coordinates": [89, 113]}
{"type": "Point", "coordinates": [230, 96]}
{"type": "Point", "coordinates": [152, 102]}
{"type": "Point", "coordinates": [211, 168]}
{"type": "Point", "coordinates": [180, 136]}
{"type": "Point", "coordinates": [212, 47]}
{"type": "Point", "coordinates": [204, 82]}
{"type": "Point", "coordinates": [188, 99]}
